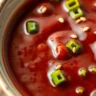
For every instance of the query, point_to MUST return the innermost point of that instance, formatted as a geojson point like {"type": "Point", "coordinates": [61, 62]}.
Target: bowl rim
{"type": "Point", "coordinates": [5, 16]}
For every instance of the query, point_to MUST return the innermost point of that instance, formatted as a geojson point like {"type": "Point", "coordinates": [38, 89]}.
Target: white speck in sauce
{"type": "Point", "coordinates": [73, 36]}
{"type": "Point", "coordinates": [94, 32]}
{"type": "Point", "coordinates": [78, 21]}
{"type": "Point", "coordinates": [42, 9]}
{"type": "Point", "coordinates": [83, 19]}
{"type": "Point", "coordinates": [61, 20]}
{"type": "Point", "coordinates": [94, 4]}
{"type": "Point", "coordinates": [85, 29]}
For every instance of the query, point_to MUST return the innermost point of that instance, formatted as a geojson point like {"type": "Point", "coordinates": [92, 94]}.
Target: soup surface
{"type": "Point", "coordinates": [52, 49]}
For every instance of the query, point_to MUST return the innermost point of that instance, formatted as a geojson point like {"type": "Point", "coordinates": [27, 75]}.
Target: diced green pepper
{"type": "Point", "coordinates": [82, 72]}
{"type": "Point", "coordinates": [32, 27]}
{"type": "Point", "coordinates": [72, 4]}
{"type": "Point", "coordinates": [80, 90]}
{"type": "Point", "coordinates": [71, 45]}
{"type": "Point", "coordinates": [76, 13]}
{"type": "Point", "coordinates": [93, 69]}
{"type": "Point", "coordinates": [58, 77]}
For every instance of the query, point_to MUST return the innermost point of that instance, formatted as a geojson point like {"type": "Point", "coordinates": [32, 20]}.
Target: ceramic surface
{"type": "Point", "coordinates": [6, 12]}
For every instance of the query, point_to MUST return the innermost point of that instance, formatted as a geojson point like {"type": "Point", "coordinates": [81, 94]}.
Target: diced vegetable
{"type": "Point", "coordinates": [72, 4]}
{"type": "Point", "coordinates": [73, 46]}
{"type": "Point", "coordinates": [92, 69]}
{"type": "Point", "coordinates": [76, 13]}
{"type": "Point", "coordinates": [32, 27]}
{"type": "Point", "coordinates": [58, 77]}
{"type": "Point", "coordinates": [82, 72]}
{"type": "Point", "coordinates": [79, 90]}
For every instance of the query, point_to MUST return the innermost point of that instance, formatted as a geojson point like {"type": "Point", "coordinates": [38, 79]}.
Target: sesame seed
{"type": "Point", "coordinates": [61, 20]}
{"type": "Point", "coordinates": [74, 50]}
{"type": "Point", "coordinates": [58, 66]}
{"type": "Point", "coordinates": [78, 21]}
{"type": "Point", "coordinates": [83, 19]}
{"type": "Point", "coordinates": [94, 4]}
{"type": "Point", "coordinates": [94, 32]}
{"type": "Point", "coordinates": [85, 29]}
{"type": "Point", "coordinates": [42, 9]}
{"type": "Point", "coordinates": [74, 36]}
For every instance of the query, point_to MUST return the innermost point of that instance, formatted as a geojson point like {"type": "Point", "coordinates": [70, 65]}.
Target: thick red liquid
{"type": "Point", "coordinates": [30, 55]}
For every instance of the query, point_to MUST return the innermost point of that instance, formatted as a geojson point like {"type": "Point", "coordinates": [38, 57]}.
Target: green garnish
{"type": "Point", "coordinates": [32, 27]}
{"type": "Point", "coordinates": [73, 46]}
{"type": "Point", "coordinates": [92, 69]}
{"type": "Point", "coordinates": [72, 4]}
{"type": "Point", "coordinates": [82, 72]}
{"type": "Point", "coordinates": [58, 77]}
{"type": "Point", "coordinates": [79, 90]}
{"type": "Point", "coordinates": [76, 13]}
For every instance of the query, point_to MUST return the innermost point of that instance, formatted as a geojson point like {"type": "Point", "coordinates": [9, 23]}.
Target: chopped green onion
{"type": "Point", "coordinates": [79, 90]}
{"type": "Point", "coordinates": [73, 46]}
{"type": "Point", "coordinates": [32, 27]}
{"type": "Point", "coordinates": [92, 69]}
{"type": "Point", "coordinates": [76, 13]}
{"type": "Point", "coordinates": [72, 4]}
{"type": "Point", "coordinates": [82, 72]}
{"type": "Point", "coordinates": [58, 77]}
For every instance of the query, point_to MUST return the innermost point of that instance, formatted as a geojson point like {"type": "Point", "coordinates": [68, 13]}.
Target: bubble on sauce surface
{"type": "Point", "coordinates": [93, 93]}
{"type": "Point", "coordinates": [57, 38]}
{"type": "Point", "coordinates": [93, 48]}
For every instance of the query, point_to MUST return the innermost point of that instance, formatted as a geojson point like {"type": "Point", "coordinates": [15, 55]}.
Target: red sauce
{"type": "Point", "coordinates": [31, 57]}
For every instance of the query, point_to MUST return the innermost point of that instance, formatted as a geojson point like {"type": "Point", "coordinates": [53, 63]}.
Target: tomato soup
{"type": "Point", "coordinates": [52, 48]}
